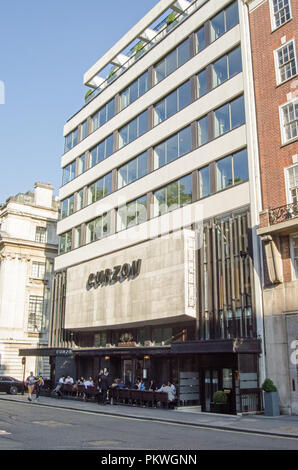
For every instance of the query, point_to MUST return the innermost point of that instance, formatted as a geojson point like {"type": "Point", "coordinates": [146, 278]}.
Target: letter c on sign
{"type": "Point", "coordinates": [91, 280]}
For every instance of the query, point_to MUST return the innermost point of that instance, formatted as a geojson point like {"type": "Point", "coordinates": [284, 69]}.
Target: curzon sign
{"type": "Point", "coordinates": [119, 273]}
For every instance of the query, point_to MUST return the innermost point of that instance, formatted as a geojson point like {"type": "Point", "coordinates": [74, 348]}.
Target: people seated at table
{"type": "Point", "coordinates": [88, 382]}
{"type": "Point", "coordinates": [69, 380]}
{"type": "Point", "coordinates": [167, 389]}
{"type": "Point", "coordinates": [152, 386]}
{"type": "Point", "coordinates": [141, 385]}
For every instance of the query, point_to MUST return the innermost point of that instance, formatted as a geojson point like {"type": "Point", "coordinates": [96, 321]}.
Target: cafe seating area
{"type": "Point", "coordinates": [117, 396]}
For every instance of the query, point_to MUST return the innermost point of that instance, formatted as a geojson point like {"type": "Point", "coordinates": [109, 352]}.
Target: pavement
{"type": "Point", "coordinates": [281, 426]}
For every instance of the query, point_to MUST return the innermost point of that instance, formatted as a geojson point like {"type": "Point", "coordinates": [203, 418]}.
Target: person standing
{"type": "Point", "coordinates": [30, 381]}
{"type": "Point", "coordinates": [106, 382]}
{"type": "Point", "coordinates": [39, 385]}
{"type": "Point", "coordinates": [99, 377]}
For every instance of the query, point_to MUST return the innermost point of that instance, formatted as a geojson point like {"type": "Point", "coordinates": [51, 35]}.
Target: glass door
{"type": "Point", "coordinates": [127, 372]}
{"type": "Point", "coordinates": [210, 387]}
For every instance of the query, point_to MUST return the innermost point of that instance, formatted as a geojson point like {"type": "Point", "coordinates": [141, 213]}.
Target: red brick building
{"type": "Point", "coordinates": [273, 29]}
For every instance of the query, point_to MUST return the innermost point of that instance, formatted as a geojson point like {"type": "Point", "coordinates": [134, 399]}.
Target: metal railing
{"type": "Point", "coordinates": [161, 34]}
{"type": "Point", "coordinates": [251, 400]}
{"type": "Point", "coordinates": [283, 213]}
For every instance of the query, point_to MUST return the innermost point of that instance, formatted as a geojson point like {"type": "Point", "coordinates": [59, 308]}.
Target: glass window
{"type": "Point", "coordinates": [65, 241]}
{"type": "Point", "coordinates": [232, 16]}
{"type": "Point", "coordinates": [184, 141]}
{"type": "Point", "coordinates": [202, 83]}
{"type": "Point", "coordinates": [222, 120]}
{"type": "Point", "coordinates": [290, 121]}
{"type": "Point", "coordinates": [35, 313]}
{"type": "Point", "coordinates": [219, 71]}
{"type": "Point", "coordinates": [286, 58]}
{"type": "Point", "coordinates": [134, 91]}
{"type": "Point", "coordinates": [204, 181]}
{"type": "Point", "coordinates": [237, 112]}
{"type": "Point", "coordinates": [77, 237]}
{"type": "Point", "coordinates": [185, 190]}
{"type": "Point", "coordinates": [98, 228]}
{"type": "Point", "coordinates": [80, 199]}
{"type": "Point", "coordinates": [132, 171]}
{"type": "Point", "coordinates": [103, 115]}
{"type": "Point", "coordinates": [159, 112]}
{"type": "Point", "coordinates": [71, 140]}
{"type": "Point", "coordinates": [82, 164]}
{"type": "Point", "coordinates": [41, 234]}
{"type": "Point", "coordinates": [184, 97]}
{"type": "Point", "coordinates": [38, 270]}
{"type": "Point", "coordinates": [160, 71]}
{"type": "Point", "coordinates": [217, 26]}
{"type": "Point", "coordinates": [281, 12]}
{"type": "Point", "coordinates": [133, 213]}
{"type": "Point", "coordinates": [172, 104]}
{"type": "Point", "coordinates": [171, 62]}
{"type": "Point", "coordinates": [174, 195]}
{"type": "Point", "coordinates": [240, 166]}
{"type": "Point", "coordinates": [172, 148]}
{"type": "Point", "coordinates": [84, 130]}
{"type": "Point", "coordinates": [200, 39]}
{"type": "Point", "coordinates": [143, 123]}
{"type": "Point", "coordinates": [183, 53]}
{"type": "Point", "coordinates": [224, 21]}
{"type": "Point", "coordinates": [69, 172]}
{"type": "Point", "coordinates": [160, 155]}
{"type": "Point", "coordinates": [64, 208]}
{"type": "Point", "coordinates": [224, 173]}
{"type": "Point", "coordinates": [235, 62]}
{"type": "Point", "coordinates": [203, 130]}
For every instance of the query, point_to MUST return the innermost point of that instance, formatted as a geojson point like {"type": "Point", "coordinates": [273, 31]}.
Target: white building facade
{"type": "Point", "coordinates": [28, 245]}
{"type": "Point", "coordinates": [157, 273]}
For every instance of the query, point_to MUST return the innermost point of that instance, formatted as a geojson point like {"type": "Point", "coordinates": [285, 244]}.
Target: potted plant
{"type": "Point", "coordinates": [220, 402]}
{"type": "Point", "coordinates": [138, 49]}
{"type": "Point", "coordinates": [171, 21]}
{"type": "Point", "coordinates": [88, 93]}
{"type": "Point", "coordinates": [110, 76]}
{"type": "Point", "coordinates": [271, 400]}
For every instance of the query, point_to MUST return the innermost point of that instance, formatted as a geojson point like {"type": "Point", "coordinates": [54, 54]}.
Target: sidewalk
{"type": "Point", "coordinates": [282, 426]}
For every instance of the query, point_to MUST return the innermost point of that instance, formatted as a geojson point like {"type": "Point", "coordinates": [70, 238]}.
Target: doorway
{"type": "Point", "coordinates": [214, 380]}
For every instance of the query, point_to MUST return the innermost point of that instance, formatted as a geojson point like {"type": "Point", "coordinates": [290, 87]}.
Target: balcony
{"type": "Point", "coordinates": [282, 219]}
{"type": "Point", "coordinates": [147, 40]}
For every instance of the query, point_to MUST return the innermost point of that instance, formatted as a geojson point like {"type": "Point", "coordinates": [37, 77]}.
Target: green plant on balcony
{"type": "Point", "coordinates": [88, 93]}
{"type": "Point", "coordinates": [112, 71]}
{"type": "Point", "coordinates": [138, 46]}
{"type": "Point", "coordinates": [171, 18]}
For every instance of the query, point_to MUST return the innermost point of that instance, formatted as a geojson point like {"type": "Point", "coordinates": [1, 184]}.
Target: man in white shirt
{"type": "Point", "coordinates": [69, 380]}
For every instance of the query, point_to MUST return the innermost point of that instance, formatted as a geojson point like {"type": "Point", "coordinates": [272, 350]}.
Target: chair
{"type": "Point", "coordinates": [148, 397]}
{"type": "Point", "coordinates": [67, 389]}
{"type": "Point", "coordinates": [162, 398]}
{"type": "Point", "coordinates": [136, 397]}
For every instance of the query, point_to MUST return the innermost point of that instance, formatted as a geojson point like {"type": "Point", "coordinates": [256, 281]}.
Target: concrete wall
{"type": "Point", "coordinates": [163, 291]}
{"type": "Point", "coordinates": [281, 330]}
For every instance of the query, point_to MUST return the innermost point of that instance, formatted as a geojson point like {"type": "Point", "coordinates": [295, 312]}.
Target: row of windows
{"type": "Point", "coordinates": [216, 123]}
{"type": "Point", "coordinates": [228, 171]}
{"type": "Point", "coordinates": [223, 69]}
{"type": "Point", "coordinates": [212, 30]}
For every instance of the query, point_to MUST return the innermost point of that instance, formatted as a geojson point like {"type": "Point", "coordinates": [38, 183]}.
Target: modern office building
{"type": "Point", "coordinates": [158, 267]}
{"type": "Point", "coordinates": [274, 26]}
{"type": "Point", "coordinates": [28, 246]}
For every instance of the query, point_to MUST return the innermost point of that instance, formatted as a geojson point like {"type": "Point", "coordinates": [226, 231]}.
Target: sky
{"type": "Point", "coordinates": [45, 49]}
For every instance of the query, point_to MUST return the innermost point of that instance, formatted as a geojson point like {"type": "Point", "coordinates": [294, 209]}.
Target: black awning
{"type": "Point", "coordinates": [120, 351]}
{"type": "Point", "coordinates": [47, 352]}
{"type": "Point", "coordinates": [237, 346]}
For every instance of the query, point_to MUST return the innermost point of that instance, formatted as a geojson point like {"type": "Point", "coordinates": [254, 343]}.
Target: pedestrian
{"type": "Point", "coordinates": [39, 385]}
{"type": "Point", "coordinates": [106, 382]}
{"type": "Point", "coordinates": [30, 381]}
{"type": "Point", "coordinates": [99, 377]}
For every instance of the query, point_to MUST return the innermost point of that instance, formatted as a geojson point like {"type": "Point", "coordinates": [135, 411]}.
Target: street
{"type": "Point", "coordinates": [32, 426]}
